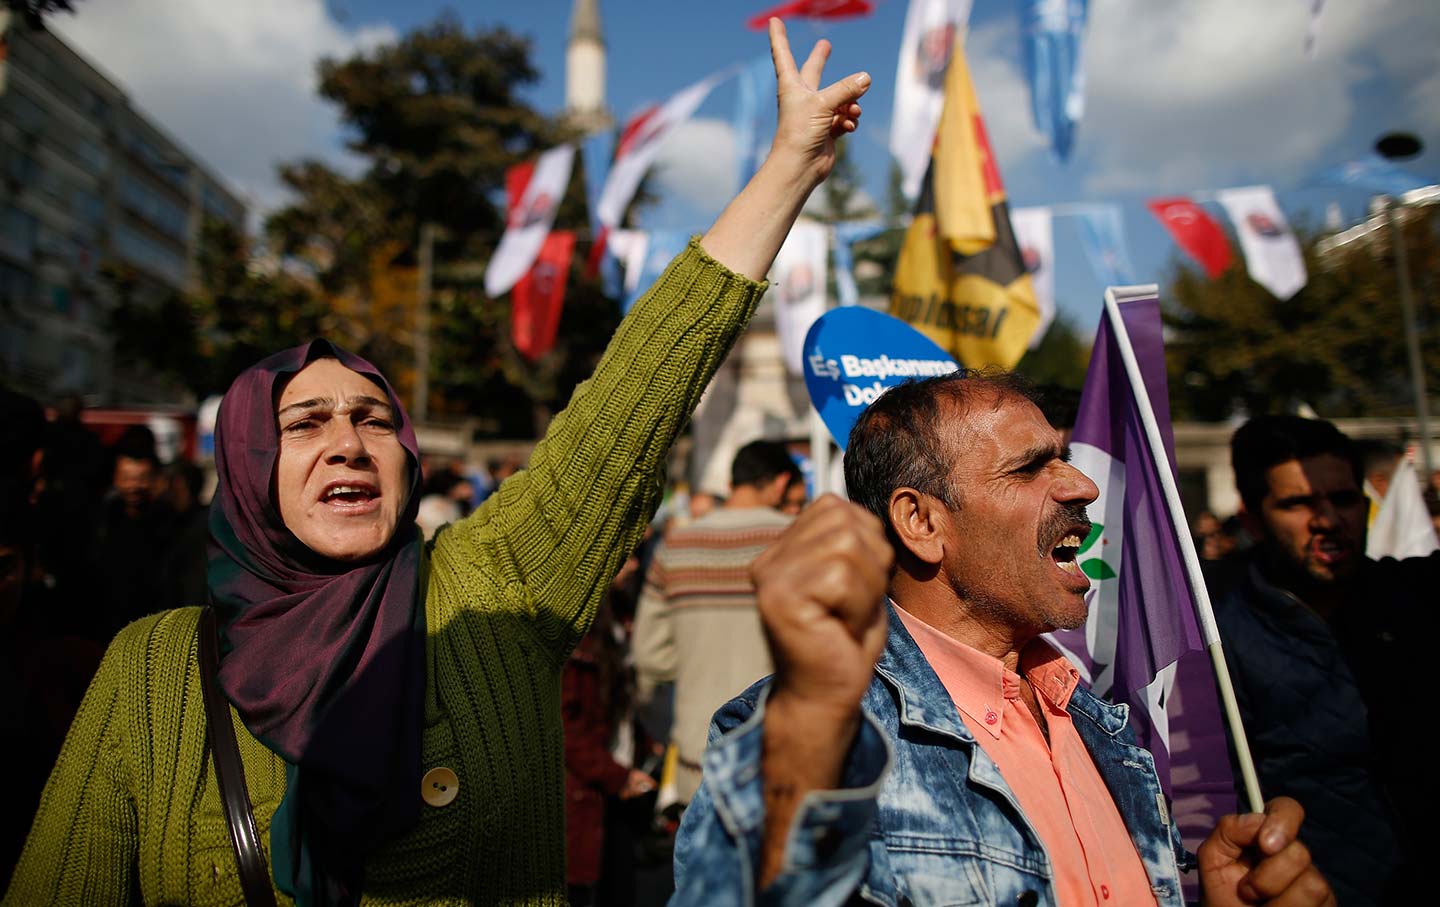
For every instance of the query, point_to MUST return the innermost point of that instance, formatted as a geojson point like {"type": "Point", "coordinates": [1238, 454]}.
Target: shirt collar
{"type": "Point", "coordinates": [979, 684]}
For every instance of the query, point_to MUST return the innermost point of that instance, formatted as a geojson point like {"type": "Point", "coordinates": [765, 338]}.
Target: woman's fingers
{"type": "Point", "coordinates": [780, 53]}
{"type": "Point", "coordinates": [844, 93]}
{"type": "Point", "coordinates": [815, 64]}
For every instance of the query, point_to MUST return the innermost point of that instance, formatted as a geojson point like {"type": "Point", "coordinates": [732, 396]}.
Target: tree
{"type": "Point", "coordinates": [336, 226]}
{"type": "Point", "coordinates": [1060, 358]}
{"type": "Point", "coordinates": [240, 315]}
{"type": "Point", "coordinates": [438, 116]}
{"type": "Point", "coordinates": [1337, 345]}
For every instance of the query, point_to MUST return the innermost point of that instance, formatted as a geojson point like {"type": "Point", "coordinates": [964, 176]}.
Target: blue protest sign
{"type": "Point", "coordinates": [853, 355]}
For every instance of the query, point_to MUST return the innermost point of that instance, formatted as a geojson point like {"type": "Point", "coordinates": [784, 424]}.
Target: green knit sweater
{"type": "Point", "coordinates": [131, 813]}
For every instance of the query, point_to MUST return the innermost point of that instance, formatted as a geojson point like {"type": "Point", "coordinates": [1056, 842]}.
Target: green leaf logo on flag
{"type": "Point", "coordinates": [1095, 567]}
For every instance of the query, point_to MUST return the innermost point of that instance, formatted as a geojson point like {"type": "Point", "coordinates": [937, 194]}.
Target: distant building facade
{"type": "Point", "coordinates": [88, 186]}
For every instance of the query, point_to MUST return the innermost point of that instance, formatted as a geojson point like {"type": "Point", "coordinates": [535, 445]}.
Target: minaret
{"type": "Point", "coordinates": [585, 69]}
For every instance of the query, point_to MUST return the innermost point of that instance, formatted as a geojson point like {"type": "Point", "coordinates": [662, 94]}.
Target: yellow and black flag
{"type": "Point", "coordinates": [961, 279]}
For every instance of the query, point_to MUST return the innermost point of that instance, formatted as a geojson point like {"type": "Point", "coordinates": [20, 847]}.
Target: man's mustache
{"type": "Point", "coordinates": [1058, 524]}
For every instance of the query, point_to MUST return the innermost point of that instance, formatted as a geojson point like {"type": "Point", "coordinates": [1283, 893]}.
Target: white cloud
{"type": "Point", "coordinates": [1182, 96]}
{"type": "Point", "coordinates": [234, 82]}
{"type": "Point", "coordinates": [697, 164]}
{"type": "Point", "coordinates": [992, 50]}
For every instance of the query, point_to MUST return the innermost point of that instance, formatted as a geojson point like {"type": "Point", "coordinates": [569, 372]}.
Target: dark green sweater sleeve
{"type": "Point", "coordinates": [555, 533]}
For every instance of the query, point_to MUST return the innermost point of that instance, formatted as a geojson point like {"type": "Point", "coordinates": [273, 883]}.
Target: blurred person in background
{"type": "Point", "coordinates": [1327, 650]}
{"type": "Point", "coordinates": [133, 531]}
{"type": "Point", "coordinates": [796, 497]}
{"type": "Point", "coordinates": [397, 705]}
{"type": "Point", "coordinates": [596, 697]}
{"type": "Point", "coordinates": [444, 499]}
{"type": "Point", "coordinates": [43, 671]}
{"type": "Point", "coordinates": [183, 564]}
{"type": "Point", "coordinates": [697, 626]}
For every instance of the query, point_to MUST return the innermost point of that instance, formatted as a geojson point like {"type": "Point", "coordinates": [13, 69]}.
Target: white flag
{"type": "Point", "coordinates": [640, 142]}
{"type": "Point", "coordinates": [1035, 234]}
{"type": "Point", "coordinates": [797, 287]}
{"type": "Point", "coordinates": [530, 221]}
{"type": "Point", "coordinates": [1402, 526]}
{"type": "Point", "coordinates": [1272, 255]}
{"type": "Point", "coordinates": [930, 30]}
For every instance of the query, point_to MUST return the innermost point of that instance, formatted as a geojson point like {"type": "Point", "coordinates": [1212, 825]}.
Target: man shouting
{"type": "Point", "coordinates": [935, 750]}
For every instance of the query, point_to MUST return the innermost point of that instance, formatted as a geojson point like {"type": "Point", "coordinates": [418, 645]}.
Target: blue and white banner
{"type": "Point", "coordinates": [756, 83]}
{"type": "Point", "coordinates": [854, 354]}
{"type": "Point", "coordinates": [1102, 233]}
{"type": "Point", "coordinates": [1051, 31]}
{"type": "Point", "coordinates": [846, 235]}
{"type": "Point", "coordinates": [1372, 173]}
{"type": "Point", "coordinates": [645, 255]}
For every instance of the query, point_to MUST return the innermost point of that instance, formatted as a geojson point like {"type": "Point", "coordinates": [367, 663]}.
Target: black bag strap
{"type": "Point", "coordinates": [230, 771]}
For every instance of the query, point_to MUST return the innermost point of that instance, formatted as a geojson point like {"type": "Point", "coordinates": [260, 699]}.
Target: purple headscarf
{"type": "Point", "coordinates": [322, 658]}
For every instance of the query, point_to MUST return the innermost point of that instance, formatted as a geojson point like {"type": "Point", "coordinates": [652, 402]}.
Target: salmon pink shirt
{"type": "Point", "coordinates": [1056, 785]}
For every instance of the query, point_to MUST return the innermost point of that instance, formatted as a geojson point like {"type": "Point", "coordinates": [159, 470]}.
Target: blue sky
{"type": "Point", "coordinates": [1181, 97]}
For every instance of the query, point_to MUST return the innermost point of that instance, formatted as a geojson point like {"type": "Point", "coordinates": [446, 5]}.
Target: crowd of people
{"type": "Point", "coordinates": [350, 679]}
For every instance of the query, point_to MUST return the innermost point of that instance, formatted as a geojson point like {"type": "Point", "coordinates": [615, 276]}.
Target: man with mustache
{"type": "Point", "coordinates": [936, 750]}
{"type": "Point", "coordinates": [1328, 652]}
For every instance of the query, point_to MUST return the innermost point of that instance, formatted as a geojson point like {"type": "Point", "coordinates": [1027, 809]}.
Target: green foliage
{"type": "Point", "coordinates": [1337, 345]}
{"type": "Point", "coordinates": [438, 115]}
{"type": "Point", "coordinates": [201, 342]}
{"type": "Point", "coordinates": [1061, 357]}
{"type": "Point", "coordinates": [336, 225]}
{"type": "Point", "coordinates": [439, 118]}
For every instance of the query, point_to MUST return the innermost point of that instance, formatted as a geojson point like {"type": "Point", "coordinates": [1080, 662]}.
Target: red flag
{"type": "Point", "coordinates": [516, 179]}
{"type": "Point", "coordinates": [813, 9]}
{"type": "Point", "coordinates": [536, 300]}
{"type": "Point", "coordinates": [1195, 232]}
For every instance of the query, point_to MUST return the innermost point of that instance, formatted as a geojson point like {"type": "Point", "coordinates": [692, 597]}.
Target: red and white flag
{"type": "Point", "coordinates": [529, 218]}
{"type": "Point", "coordinates": [1272, 254]}
{"type": "Point", "coordinates": [929, 37]}
{"type": "Point", "coordinates": [1035, 232]}
{"type": "Point", "coordinates": [639, 143]}
{"type": "Point", "coordinates": [537, 298]}
{"type": "Point", "coordinates": [1194, 231]}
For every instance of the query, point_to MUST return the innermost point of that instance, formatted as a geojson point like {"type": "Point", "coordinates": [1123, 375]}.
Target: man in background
{"type": "Point", "coordinates": [696, 625]}
{"type": "Point", "coordinates": [1326, 648]}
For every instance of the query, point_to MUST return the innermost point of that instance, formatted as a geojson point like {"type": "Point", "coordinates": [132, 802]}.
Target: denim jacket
{"type": "Point", "coordinates": [922, 815]}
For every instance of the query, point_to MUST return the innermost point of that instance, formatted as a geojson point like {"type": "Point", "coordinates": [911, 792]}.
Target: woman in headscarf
{"type": "Point", "coordinates": [396, 705]}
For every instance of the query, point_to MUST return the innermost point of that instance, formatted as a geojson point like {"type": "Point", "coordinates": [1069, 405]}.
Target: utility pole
{"type": "Point", "coordinates": [1398, 146]}
{"type": "Point", "coordinates": [1412, 336]}
{"type": "Point", "coordinates": [420, 408]}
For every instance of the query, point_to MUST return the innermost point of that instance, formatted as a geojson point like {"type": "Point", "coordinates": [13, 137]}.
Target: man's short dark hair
{"type": "Point", "coordinates": [759, 462]}
{"type": "Point", "coordinates": [897, 443]}
{"type": "Point", "coordinates": [1267, 441]}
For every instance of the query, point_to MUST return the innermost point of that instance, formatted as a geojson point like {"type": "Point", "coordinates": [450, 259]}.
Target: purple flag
{"type": "Point", "coordinates": [1142, 615]}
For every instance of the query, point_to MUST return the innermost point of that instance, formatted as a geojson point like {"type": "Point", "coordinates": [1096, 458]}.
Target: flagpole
{"type": "Point", "coordinates": [1203, 611]}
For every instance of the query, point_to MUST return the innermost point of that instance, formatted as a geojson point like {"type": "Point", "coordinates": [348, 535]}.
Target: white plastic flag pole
{"type": "Point", "coordinates": [1209, 632]}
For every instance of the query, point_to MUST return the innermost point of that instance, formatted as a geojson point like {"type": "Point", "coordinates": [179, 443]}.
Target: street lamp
{"type": "Point", "coordinates": [1399, 146]}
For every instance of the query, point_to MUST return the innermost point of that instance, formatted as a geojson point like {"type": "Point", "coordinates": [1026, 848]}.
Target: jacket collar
{"type": "Point", "coordinates": [924, 701]}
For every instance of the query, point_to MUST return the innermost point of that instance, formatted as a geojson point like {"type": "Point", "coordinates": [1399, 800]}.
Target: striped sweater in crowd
{"type": "Point", "coordinates": [697, 624]}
